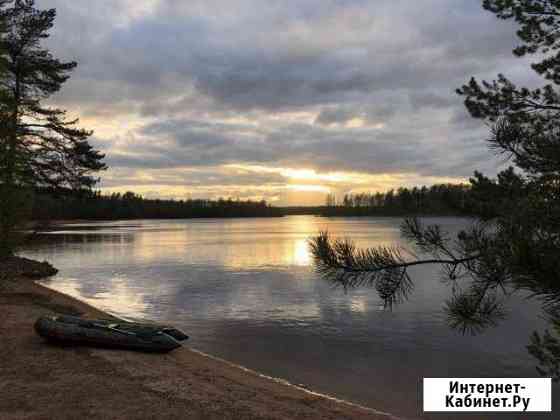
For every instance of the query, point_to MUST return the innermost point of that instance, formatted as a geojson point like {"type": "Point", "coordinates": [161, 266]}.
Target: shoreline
{"type": "Point", "coordinates": [61, 222]}
{"type": "Point", "coordinates": [185, 383]}
{"type": "Point", "coordinates": [281, 381]}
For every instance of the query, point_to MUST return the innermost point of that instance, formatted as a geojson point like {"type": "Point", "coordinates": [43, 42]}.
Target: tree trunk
{"type": "Point", "coordinates": [8, 193]}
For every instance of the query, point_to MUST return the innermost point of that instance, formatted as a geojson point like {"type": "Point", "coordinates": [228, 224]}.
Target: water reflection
{"type": "Point", "coordinates": [118, 297]}
{"type": "Point", "coordinates": [245, 290]}
{"type": "Point", "coordinates": [72, 237]}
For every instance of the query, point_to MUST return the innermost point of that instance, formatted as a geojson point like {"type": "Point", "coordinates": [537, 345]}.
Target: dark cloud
{"type": "Point", "coordinates": [265, 67]}
{"type": "Point", "coordinates": [210, 83]}
{"type": "Point", "coordinates": [429, 99]}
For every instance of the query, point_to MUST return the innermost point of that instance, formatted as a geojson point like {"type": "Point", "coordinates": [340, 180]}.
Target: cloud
{"type": "Point", "coordinates": [368, 114]}
{"type": "Point", "coordinates": [328, 85]}
{"type": "Point", "coordinates": [179, 143]}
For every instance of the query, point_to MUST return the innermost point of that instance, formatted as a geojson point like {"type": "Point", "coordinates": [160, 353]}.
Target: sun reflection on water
{"type": "Point", "coordinates": [301, 255]}
{"type": "Point", "coordinates": [271, 244]}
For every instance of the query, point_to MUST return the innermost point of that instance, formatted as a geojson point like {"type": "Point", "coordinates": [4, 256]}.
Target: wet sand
{"type": "Point", "coordinates": [42, 381]}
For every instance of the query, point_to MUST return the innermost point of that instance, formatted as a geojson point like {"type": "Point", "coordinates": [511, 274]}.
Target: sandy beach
{"type": "Point", "coordinates": [42, 381]}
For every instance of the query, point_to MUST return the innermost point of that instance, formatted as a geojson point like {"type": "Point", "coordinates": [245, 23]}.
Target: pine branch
{"type": "Point", "coordinates": [384, 268]}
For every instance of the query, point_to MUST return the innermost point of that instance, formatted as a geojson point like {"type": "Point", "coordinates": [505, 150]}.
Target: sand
{"type": "Point", "coordinates": [42, 381]}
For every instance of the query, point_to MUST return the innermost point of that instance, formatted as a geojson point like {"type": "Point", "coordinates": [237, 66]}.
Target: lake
{"type": "Point", "coordinates": [245, 290]}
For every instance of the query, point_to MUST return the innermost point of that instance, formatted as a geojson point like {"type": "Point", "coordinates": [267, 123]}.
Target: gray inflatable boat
{"type": "Point", "coordinates": [72, 330]}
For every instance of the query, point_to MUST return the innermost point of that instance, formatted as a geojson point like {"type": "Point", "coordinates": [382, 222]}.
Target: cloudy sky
{"type": "Point", "coordinates": [281, 100]}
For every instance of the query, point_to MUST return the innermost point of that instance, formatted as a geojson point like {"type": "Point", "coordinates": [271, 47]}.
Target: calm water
{"type": "Point", "coordinates": [245, 290]}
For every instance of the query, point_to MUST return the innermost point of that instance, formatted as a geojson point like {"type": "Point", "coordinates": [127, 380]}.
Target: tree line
{"type": "Point", "coordinates": [437, 200]}
{"type": "Point", "coordinates": [440, 199]}
{"type": "Point", "coordinates": [93, 205]}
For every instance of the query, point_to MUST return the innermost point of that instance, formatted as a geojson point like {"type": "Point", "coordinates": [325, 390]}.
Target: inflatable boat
{"type": "Point", "coordinates": [64, 329]}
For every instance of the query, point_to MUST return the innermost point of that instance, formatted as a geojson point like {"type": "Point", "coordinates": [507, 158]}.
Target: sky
{"type": "Point", "coordinates": [285, 101]}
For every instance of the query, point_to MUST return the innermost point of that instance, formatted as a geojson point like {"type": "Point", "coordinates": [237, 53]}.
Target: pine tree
{"type": "Point", "coordinates": [39, 145]}
{"type": "Point", "coordinates": [516, 242]}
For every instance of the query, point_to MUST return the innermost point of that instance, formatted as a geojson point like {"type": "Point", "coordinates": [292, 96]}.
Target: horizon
{"type": "Point", "coordinates": [337, 200]}
{"type": "Point", "coordinates": [270, 103]}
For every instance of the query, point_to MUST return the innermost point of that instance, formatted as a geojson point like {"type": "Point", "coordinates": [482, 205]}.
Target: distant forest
{"type": "Point", "coordinates": [438, 200]}
{"type": "Point", "coordinates": [96, 206]}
